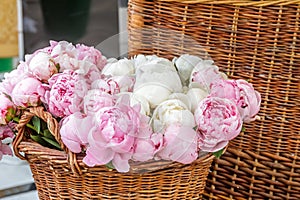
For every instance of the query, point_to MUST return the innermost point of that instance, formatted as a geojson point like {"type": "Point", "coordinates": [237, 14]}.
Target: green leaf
{"type": "Point", "coordinates": [44, 125]}
{"type": "Point", "coordinates": [175, 67]}
{"type": "Point", "coordinates": [48, 134]}
{"type": "Point", "coordinates": [52, 142]}
{"type": "Point", "coordinates": [7, 96]}
{"type": "Point", "coordinates": [36, 123]}
{"type": "Point", "coordinates": [218, 153]}
{"type": "Point", "coordinates": [10, 114]}
{"type": "Point", "coordinates": [110, 165]}
{"type": "Point", "coordinates": [57, 67]}
{"type": "Point", "coordinates": [38, 139]}
{"type": "Point", "coordinates": [195, 128]}
{"type": "Point", "coordinates": [243, 129]}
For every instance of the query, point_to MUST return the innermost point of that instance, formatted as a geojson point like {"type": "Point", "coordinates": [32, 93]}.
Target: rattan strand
{"type": "Point", "coordinates": [240, 2]}
{"type": "Point", "coordinates": [257, 43]}
{"type": "Point", "coordinates": [52, 126]}
{"type": "Point", "coordinates": [63, 175]}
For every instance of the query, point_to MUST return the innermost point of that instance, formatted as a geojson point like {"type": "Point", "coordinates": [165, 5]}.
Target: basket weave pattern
{"type": "Point", "coordinates": [63, 175]}
{"type": "Point", "coordinates": [253, 40]}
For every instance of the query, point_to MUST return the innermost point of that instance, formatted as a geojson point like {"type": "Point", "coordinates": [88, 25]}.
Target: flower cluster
{"type": "Point", "coordinates": [140, 109]}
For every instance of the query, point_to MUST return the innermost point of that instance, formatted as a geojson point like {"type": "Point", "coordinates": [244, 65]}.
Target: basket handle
{"type": "Point", "coordinates": [54, 130]}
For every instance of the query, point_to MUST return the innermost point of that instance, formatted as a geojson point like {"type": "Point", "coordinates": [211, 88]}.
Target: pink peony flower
{"type": "Point", "coordinates": [227, 89]}
{"type": "Point", "coordinates": [180, 144]}
{"type": "Point", "coordinates": [13, 77]}
{"type": "Point", "coordinates": [218, 121]}
{"type": "Point", "coordinates": [7, 109]}
{"type": "Point", "coordinates": [125, 83]}
{"type": "Point", "coordinates": [70, 57]}
{"type": "Point", "coordinates": [147, 143]}
{"type": "Point", "coordinates": [205, 73]}
{"type": "Point", "coordinates": [109, 86]}
{"type": "Point", "coordinates": [5, 132]}
{"type": "Point", "coordinates": [88, 70]}
{"type": "Point", "coordinates": [144, 131]}
{"type": "Point", "coordinates": [92, 55]}
{"type": "Point", "coordinates": [242, 93]}
{"type": "Point", "coordinates": [65, 92]}
{"type": "Point", "coordinates": [145, 149]}
{"type": "Point", "coordinates": [41, 65]}
{"type": "Point", "coordinates": [96, 99]}
{"type": "Point", "coordinates": [113, 137]}
{"type": "Point", "coordinates": [64, 54]}
{"type": "Point", "coordinates": [49, 49]}
{"type": "Point", "coordinates": [25, 93]}
{"type": "Point", "coordinates": [115, 84]}
{"type": "Point", "coordinates": [74, 131]}
{"type": "Point", "coordinates": [252, 100]}
{"type": "Point", "coordinates": [4, 150]}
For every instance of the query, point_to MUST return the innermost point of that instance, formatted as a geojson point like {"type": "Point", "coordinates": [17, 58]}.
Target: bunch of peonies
{"type": "Point", "coordinates": [140, 109]}
{"type": "Point", "coordinates": [58, 77]}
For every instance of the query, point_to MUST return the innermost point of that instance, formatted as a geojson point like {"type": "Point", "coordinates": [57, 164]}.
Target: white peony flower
{"type": "Point", "coordinates": [116, 67]}
{"type": "Point", "coordinates": [155, 93]}
{"type": "Point", "coordinates": [158, 73]}
{"type": "Point", "coordinates": [141, 60]}
{"type": "Point", "coordinates": [172, 111]}
{"type": "Point", "coordinates": [185, 65]}
{"type": "Point", "coordinates": [137, 99]}
{"type": "Point", "coordinates": [195, 95]}
{"type": "Point", "coordinates": [182, 97]}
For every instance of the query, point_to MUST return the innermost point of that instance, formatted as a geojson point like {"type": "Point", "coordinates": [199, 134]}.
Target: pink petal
{"type": "Point", "coordinates": [72, 145]}
{"type": "Point", "coordinates": [144, 150]}
{"type": "Point", "coordinates": [98, 156]}
{"type": "Point", "coordinates": [4, 150]}
{"type": "Point", "coordinates": [213, 147]}
{"type": "Point", "coordinates": [120, 162]}
{"type": "Point", "coordinates": [180, 144]}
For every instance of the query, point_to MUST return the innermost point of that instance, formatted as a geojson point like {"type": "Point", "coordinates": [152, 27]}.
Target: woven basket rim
{"type": "Point", "coordinates": [73, 160]}
{"type": "Point", "coordinates": [259, 3]}
{"type": "Point", "coordinates": [33, 150]}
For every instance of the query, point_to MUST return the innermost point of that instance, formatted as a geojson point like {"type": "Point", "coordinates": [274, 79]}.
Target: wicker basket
{"type": "Point", "coordinates": [63, 175]}
{"type": "Point", "coordinates": [257, 40]}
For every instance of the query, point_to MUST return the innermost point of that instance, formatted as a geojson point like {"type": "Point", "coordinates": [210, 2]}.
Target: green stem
{"type": "Point", "coordinates": [28, 125]}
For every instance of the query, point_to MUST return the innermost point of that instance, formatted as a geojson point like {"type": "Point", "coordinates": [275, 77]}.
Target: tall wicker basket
{"type": "Point", "coordinates": [63, 175]}
{"type": "Point", "coordinates": [257, 40]}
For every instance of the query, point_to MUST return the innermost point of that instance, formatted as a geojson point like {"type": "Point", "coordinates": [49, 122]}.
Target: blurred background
{"type": "Point", "coordinates": [27, 25]}
{"type": "Point", "coordinates": [78, 21]}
